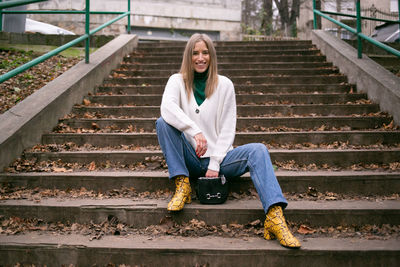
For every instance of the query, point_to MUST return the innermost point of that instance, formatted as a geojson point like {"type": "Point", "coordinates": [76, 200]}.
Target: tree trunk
{"type": "Point", "coordinates": [288, 19]}
{"type": "Point", "coordinates": [294, 13]}
{"type": "Point", "coordinates": [266, 23]}
{"type": "Point", "coordinates": [283, 9]}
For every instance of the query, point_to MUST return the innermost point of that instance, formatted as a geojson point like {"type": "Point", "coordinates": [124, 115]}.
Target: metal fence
{"type": "Point", "coordinates": [368, 26]}
{"type": "Point", "coordinates": [85, 37]}
{"type": "Point", "coordinates": [356, 31]}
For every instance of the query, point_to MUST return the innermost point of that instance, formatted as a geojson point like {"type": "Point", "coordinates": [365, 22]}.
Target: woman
{"type": "Point", "coordinates": [196, 131]}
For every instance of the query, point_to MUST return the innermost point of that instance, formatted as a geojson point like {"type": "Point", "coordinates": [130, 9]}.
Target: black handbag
{"type": "Point", "coordinates": [212, 190]}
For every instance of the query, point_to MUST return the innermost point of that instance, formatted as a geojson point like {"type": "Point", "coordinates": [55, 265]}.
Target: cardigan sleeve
{"type": "Point", "coordinates": [226, 128]}
{"type": "Point", "coordinates": [171, 109]}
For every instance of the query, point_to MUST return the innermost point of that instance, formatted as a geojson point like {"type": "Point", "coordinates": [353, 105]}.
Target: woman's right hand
{"type": "Point", "coordinates": [201, 144]}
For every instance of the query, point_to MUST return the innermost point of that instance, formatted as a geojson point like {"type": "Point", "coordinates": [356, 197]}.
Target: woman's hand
{"type": "Point", "coordinates": [211, 173]}
{"type": "Point", "coordinates": [201, 144]}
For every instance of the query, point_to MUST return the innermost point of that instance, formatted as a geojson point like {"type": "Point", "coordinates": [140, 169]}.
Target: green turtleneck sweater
{"type": "Point", "coordinates": [199, 82]}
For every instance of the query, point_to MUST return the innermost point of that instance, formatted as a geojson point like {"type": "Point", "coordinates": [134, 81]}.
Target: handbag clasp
{"type": "Point", "coordinates": [209, 196]}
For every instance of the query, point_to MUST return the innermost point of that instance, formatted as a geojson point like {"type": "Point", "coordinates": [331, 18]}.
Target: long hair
{"type": "Point", "coordinates": [187, 69]}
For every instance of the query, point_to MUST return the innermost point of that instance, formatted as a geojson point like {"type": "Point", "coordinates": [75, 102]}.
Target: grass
{"type": "Point", "coordinates": [24, 84]}
{"type": "Point", "coordinates": [42, 49]}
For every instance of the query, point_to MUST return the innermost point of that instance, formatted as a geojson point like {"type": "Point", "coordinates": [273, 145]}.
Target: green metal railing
{"type": "Point", "coordinates": [356, 31]}
{"type": "Point", "coordinates": [85, 37]}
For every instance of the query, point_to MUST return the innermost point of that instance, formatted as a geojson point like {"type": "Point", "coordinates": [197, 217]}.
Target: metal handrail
{"type": "Point", "coordinates": [85, 37]}
{"type": "Point", "coordinates": [60, 11]}
{"type": "Point", "coordinates": [18, 3]}
{"type": "Point", "coordinates": [356, 31]}
{"type": "Point", "coordinates": [355, 16]}
{"type": "Point", "coordinates": [13, 4]}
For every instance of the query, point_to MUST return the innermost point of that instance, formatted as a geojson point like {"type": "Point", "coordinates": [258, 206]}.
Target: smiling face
{"type": "Point", "coordinates": [200, 57]}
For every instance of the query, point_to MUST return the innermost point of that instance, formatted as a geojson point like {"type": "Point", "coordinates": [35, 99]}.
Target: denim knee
{"type": "Point", "coordinates": [160, 122]}
{"type": "Point", "coordinates": [258, 149]}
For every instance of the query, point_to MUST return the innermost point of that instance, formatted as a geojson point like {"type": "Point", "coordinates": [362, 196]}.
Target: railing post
{"type": "Point", "coordinates": [1, 18]}
{"type": "Point", "coordinates": [129, 16]}
{"type": "Point", "coordinates": [398, 12]}
{"type": "Point", "coordinates": [359, 40]}
{"type": "Point", "coordinates": [87, 31]}
{"type": "Point", "coordinates": [315, 15]}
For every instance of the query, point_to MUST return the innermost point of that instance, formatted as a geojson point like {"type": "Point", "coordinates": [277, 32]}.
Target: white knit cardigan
{"type": "Point", "coordinates": [215, 117]}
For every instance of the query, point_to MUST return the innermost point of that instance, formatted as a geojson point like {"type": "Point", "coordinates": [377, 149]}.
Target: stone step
{"type": "Point", "coordinates": [351, 123]}
{"type": "Point", "coordinates": [218, 44]}
{"type": "Point", "coordinates": [230, 73]}
{"type": "Point", "coordinates": [78, 250]}
{"type": "Point", "coordinates": [305, 74]}
{"type": "Point", "coordinates": [343, 182]}
{"type": "Point", "coordinates": [146, 212]}
{"type": "Point", "coordinates": [261, 43]}
{"type": "Point", "coordinates": [239, 88]}
{"type": "Point", "coordinates": [229, 66]}
{"type": "Point", "coordinates": [361, 138]}
{"type": "Point", "coordinates": [242, 110]}
{"type": "Point", "coordinates": [241, 99]}
{"type": "Point", "coordinates": [331, 157]}
{"type": "Point", "coordinates": [302, 79]}
{"type": "Point", "coordinates": [230, 59]}
{"type": "Point", "coordinates": [226, 49]}
{"type": "Point", "coordinates": [237, 52]}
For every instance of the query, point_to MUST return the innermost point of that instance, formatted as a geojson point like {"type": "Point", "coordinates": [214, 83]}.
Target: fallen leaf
{"type": "Point", "coordinates": [389, 126]}
{"type": "Point", "coordinates": [92, 166]}
{"type": "Point", "coordinates": [56, 169]}
{"type": "Point", "coordinates": [255, 223]}
{"type": "Point", "coordinates": [86, 102]}
{"type": "Point", "coordinates": [95, 126]}
{"type": "Point", "coordinates": [312, 191]}
{"type": "Point", "coordinates": [305, 230]}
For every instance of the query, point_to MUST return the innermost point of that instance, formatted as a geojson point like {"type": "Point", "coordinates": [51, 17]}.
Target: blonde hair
{"type": "Point", "coordinates": [187, 69]}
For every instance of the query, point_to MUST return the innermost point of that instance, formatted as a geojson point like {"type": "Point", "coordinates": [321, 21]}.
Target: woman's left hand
{"type": "Point", "coordinates": [211, 173]}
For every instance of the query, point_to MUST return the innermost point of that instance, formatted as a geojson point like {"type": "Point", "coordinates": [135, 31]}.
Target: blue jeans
{"type": "Point", "coordinates": [182, 160]}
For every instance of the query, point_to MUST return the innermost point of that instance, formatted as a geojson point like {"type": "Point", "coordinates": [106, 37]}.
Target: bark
{"type": "Point", "coordinates": [250, 21]}
{"type": "Point", "coordinates": [288, 17]}
{"type": "Point", "coordinates": [266, 23]}
{"type": "Point", "coordinates": [294, 14]}
{"type": "Point", "coordinates": [283, 9]}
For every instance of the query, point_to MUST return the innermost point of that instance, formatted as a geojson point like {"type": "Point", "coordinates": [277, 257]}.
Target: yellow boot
{"type": "Point", "coordinates": [183, 194]}
{"type": "Point", "coordinates": [275, 227]}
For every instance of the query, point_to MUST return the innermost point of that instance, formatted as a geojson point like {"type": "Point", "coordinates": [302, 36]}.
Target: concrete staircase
{"type": "Point", "coordinates": [96, 190]}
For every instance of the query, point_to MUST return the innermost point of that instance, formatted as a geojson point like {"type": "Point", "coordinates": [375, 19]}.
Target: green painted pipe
{"type": "Point", "coordinates": [54, 52]}
{"type": "Point", "coordinates": [352, 30]}
{"type": "Point", "coordinates": [40, 59]}
{"type": "Point", "coordinates": [315, 15]}
{"type": "Point", "coordinates": [61, 12]}
{"type": "Point", "coordinates": [355, 16]}
{"type": "Point", "coordinates": [109, 23]}
{"type": "Point", "coordinates": [381, 45]}
{"type": "Point", "coordinates": [359, 41]}
{"type": "Point", "coordinates": [129, 17]}
{"type": "Point", "coordinates": [18, 3]}
{"type": "Point", "coordinates": [1, 18]}
{"type": "Point", "coordinates": [87, 31]}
